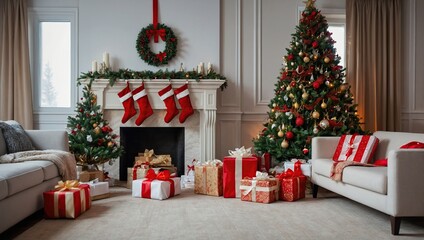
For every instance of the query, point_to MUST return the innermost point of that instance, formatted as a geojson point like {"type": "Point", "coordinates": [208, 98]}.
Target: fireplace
{"type": "Point", "coordinates": [163, 140]}
{"type": "Point", "coordinates": [199, 129]}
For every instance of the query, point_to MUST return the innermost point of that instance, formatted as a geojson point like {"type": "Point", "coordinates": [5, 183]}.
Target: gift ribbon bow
{"type": "Point", "coordinates": [148, 153]}
{"type": "Point", "coordinates": [162, 175]}
{"type": "Point", "coordinates": [214, 163]}
{"type": "Point", "coordinates": [240, 152]}
{"type": "Point", "coordinates": [290, 173]}
{"type": "Point", "coordinates": [67, 185]}
{"type": "Point", "coordinates": [351, 146]}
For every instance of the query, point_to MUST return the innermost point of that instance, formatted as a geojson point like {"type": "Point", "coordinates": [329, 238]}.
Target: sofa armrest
{"type": "Point", "coordinates": [49, 139]}
{"type": "Point", "coordinates": [405, 182]}
{"type": "Point", "coordinates": [324, 147]}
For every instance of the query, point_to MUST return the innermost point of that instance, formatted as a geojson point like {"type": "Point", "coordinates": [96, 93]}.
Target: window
{"type": "Point", "coordinates": [53, 46]}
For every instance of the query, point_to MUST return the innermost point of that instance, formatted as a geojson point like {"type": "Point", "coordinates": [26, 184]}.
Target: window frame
{"type": "Point", "coordinates": [36, 16]}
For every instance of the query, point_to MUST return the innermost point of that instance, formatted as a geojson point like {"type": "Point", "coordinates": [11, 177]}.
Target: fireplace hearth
{"type": "Point", "coordinates": [163, 140]}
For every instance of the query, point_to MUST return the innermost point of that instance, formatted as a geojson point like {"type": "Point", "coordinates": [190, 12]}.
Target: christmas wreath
{"type": "Point", "coordinates": [143, 41]}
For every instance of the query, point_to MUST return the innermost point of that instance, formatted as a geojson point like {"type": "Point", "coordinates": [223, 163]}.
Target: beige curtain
{"type": "Point", "coordinates": [374, 61]}
{"type": "Point", "coordinates": [15, 79]}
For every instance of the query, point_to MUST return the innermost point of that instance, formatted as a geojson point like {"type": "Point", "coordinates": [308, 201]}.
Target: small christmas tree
{"type": "Point", "coordinates": [311, 97]}
{"type": "Point", "coordinates": [90, 137]}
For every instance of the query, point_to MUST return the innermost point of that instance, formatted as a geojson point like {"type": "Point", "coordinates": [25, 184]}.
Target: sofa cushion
{"type": "Point", "coordinates": [15, 137]}
{"type": "Point", "coordinates": [357, 148]}
{"type": "Point", "coordinates": [370, 178]}
{"type": "Point", "coordinates": [49, 168]}
{"type": "Point", "coordinates": [3, 149]}
{"type": "Point", "coordinates": [3, 188]}
{"type": "Point", "coordinates": [20, 176]}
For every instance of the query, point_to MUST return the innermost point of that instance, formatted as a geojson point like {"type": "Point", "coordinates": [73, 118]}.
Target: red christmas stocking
{"type": "Point", "coordinates": [127, 101]}
{"type": "Point", "coordinates": [167, 95]}
{"type": "Point", "coordinates": [140, 96]}
{"type": "Point", "coordinates": [185, 103]}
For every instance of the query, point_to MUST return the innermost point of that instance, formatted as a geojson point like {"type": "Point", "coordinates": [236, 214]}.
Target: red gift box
{"type": "Point", "coordinates": [262, 191]}
{"type": "Point", "coordinates": [357, 148]}
{"type": "Point", "coordinates": [293, 184]}
{"type": "Point", "coordinates": [234, 170]}
{"type": "Point", "coordinates": [68, 202]}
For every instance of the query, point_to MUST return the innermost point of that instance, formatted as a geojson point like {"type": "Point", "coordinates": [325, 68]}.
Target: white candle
{"type": "Point", "coordinates": [209, 67]}
{"type": "Point", "coordinates": [106, 59]}
{"type": "Point", "coordinates": [200, 68]}
{"type": "Point", "coordinates": [94, 66]}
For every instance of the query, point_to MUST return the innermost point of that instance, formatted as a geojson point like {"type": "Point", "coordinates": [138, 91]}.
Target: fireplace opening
{"type": "Point", "coordinates": [163, 140]}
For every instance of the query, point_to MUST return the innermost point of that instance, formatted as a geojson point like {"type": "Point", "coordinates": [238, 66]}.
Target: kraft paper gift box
{"type": "Point", "coordinates": [160, 186]}
{"type": "Point", "coordinates": [70, 200]}
{"type": "Point", "coordinates": [239, 165]}
{"type": "Point", "coordinates": [135, 173]}
{"type": "Point", "coordinates": [87, 176]}
{"type": "Point", "coordinates": [293, 184]}
{"type": "Point", "coordinates": [261, 189]}
{"type": "Point", "coordinates": [208, 178]}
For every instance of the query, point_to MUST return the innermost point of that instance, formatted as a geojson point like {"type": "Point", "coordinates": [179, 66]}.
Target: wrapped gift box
{"type": "Point", "coordinates": [187, 181]}
{"type": "Point", "coordinates": [69, 203]}
{"type": "Point", "coordinates": [305, 167]}
{"type": "Point", "coordinates": [293, 188]}
{"type": "Point", "coordinates": [293, 183]}
{"type": "Point", "coordinates": [86, 176]}
{"type": "Point", "coordinates": [98, 190]}
{"type": "Point", "coordinates": [235, 168]}
{"type": "Point", "coordinates": [264, 162]}
{"type": "Point", "coordinates": [135, 173]}
{"type": "Point", "coordinates": [262, 191]}
{"type": "Point", "coordinates": [208, 179]}
{"type": "Point", "coordinates": [156, 189]}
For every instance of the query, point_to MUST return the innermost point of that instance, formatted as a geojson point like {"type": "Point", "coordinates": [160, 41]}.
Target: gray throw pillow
{"type": "Point", "coordinates": [15, 137]}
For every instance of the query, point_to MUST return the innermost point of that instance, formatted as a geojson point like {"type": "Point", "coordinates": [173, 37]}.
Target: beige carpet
{"type": "Point", "coordinates": [192, 216]}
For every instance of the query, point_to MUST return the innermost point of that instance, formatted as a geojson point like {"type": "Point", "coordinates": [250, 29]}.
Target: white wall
{"type": "Point", "coordinates": [246, 38]}
{"type": "Point", "coordinates": [113, 26]}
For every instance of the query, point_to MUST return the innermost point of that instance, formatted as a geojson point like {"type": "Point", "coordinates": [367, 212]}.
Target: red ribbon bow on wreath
{"type": "Point", "coordinates": [156, 33]}
{"type": "Point", "coordinates": [161, 56]}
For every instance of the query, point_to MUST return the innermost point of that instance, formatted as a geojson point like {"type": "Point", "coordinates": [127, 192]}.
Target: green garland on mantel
{"type": "Point", "coordinates": [130, 74]}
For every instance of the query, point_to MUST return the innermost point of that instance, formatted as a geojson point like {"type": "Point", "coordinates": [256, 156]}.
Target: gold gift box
{"type": "Point", "coordinates": [87, 176]}
{"type": "Point", "coordinates": [208, 180]}
{"type": "Point", "coordinates": [141, 172]}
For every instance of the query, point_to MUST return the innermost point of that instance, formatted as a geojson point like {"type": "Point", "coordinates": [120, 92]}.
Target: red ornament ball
{"type": "Point", "coordinates": [293, 83]}
{"type": "Point", "coordinates": [289, 135]}
{"type": "Point", "coordinates": [316, 85]}
{"type": "Point", "coordinates": [315, 44]}
{"type": "Point", "coordinates": [299, 121]}
{"type": "Point", "coordinates": [305, 151]}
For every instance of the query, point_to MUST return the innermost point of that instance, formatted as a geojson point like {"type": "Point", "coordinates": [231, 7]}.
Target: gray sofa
{"type": "Point", "coordinates": [22, 184]}
{"type": "Point", "coordinates": [396, 190]}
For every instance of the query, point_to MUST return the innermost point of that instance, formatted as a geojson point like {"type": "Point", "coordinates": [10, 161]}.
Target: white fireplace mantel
{"type": "Point", "coordinates": [203, 95]}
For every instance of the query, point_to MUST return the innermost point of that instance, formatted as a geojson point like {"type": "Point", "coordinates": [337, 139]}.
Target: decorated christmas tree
{"type": "Point", "coordinates": [91, 138]}
{"type": "Point", "coordinates": [311, 96]}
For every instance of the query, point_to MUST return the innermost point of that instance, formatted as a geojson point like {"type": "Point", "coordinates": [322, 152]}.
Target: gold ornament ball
{"type": "Point", "coordinates": [296, 105]}
{"type": "Point", "coordinates": [306, 59]}
{"type": "Point", "coordinates": [300, 54]}
{"type": "Point", "coordinates": [323, 105]}
{"type": "Point", "coordinates": [285, 144]}
{"type": "Point", "coordinates": [331, 85]}
{"type": "Point", "coordinates": [315, 57]}
{"type": "Point", "coordinates": [315, 114]}
{"type": "Point", "coordinates": [274, 105]}
{"type": "Point", "coordinates": [343, 87]}
{"type": "Point", "coordinates": [288, 88]}
{"type": "Point", "coordinates": [326, 59]}
{"type": "Point", "coordinates": [280, 133]}
{"type": "Point", "coordinates": [97, 130]}
{"type": "Point", "coordinates": [305, 95]}
{"type": "Point", "coordinates": [110, 144]}
{"type": "Point", "coordinates": [291, 95]}
{"type": "Point", "coordinates": [94, 125]}
{"type": "Point", "coordinates": [273, 110]}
